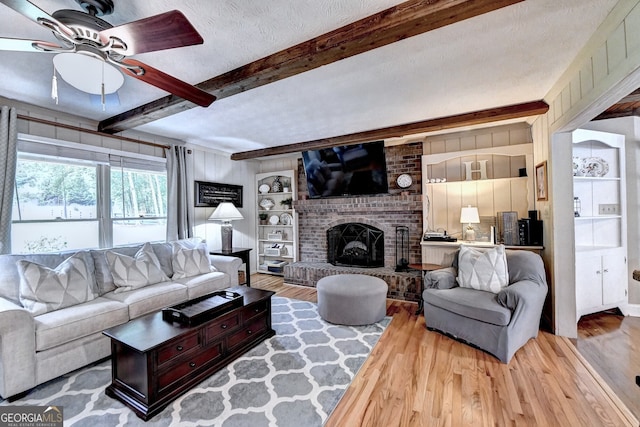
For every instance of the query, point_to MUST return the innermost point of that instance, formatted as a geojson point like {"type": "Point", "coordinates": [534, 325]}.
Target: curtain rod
{"type": "Point", "coordinates": [92, 132]}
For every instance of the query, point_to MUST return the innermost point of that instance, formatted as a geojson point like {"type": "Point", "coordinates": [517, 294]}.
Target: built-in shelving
{"type": "Point", "coordinates": [600, 238]}
{"type": "Point", "coordinates": [279, 231]}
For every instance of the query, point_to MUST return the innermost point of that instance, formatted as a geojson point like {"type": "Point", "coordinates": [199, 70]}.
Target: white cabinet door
{"type": "Point", "coordinates": [588, 282]}
{"type": "Point", "coordinates": [614, 282]}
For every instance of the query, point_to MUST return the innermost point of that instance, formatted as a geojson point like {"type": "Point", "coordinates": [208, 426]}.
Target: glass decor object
{"type": "Point", "coordinates": [276, 187]}
{"type": "Point", "coordinates": [402, 248]}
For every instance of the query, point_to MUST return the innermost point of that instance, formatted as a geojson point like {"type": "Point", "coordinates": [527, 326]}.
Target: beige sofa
{"type": "Point", "coordinates": [38, 348]}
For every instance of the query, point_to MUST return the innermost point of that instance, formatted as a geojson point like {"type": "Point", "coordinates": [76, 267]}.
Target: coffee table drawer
{"type": "Point", "coordinates": [222, 326]}
{"type": "Point", "coordinates": [254, 310]}
{"type": "Point", "coordinates": [189, 366]}
{"type": "Point", "coordinates": [255, 327]}
{"type": "Point", "coordinates": [176, 348]}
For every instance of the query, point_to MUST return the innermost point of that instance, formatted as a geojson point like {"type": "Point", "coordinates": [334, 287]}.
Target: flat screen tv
{"type": "Point", "coordinates": [348, 170]}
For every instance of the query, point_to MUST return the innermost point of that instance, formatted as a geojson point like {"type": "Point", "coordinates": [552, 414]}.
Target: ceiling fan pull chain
{"type": "Point", "coordinates": [102, 89]}
{"type": "Point", "coordinates": [54, 86]}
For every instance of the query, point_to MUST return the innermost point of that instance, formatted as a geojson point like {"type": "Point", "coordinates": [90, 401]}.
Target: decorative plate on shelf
{"type": "Point", "coordinates": [267, 204]}
{"type": "Point", "coordinates": [594, 167]}
{"type": "Point", "coordinates": [286, 219]}
{"type": "Point", "coordinates": [274, 220]}
{"type": "Point", "coordinates": [577, 162]}
{"type": "Point", "coordinates": [264, 188]}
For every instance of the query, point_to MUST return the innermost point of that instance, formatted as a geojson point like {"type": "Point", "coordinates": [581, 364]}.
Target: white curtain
{"type": "Point", "coordinates": [179, 186]}
{"type": "Point", "coordinates": [8, 157]}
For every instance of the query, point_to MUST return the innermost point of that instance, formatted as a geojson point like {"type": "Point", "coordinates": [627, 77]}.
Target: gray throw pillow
{"type": "Point", "coordinates": [188, 262]}
{"type": "Point", "coordinates": [484, 269]}
{"type": "Point", "coordinates": [135, 272]}
{"type": "Point", "coordinates": [44, 289]}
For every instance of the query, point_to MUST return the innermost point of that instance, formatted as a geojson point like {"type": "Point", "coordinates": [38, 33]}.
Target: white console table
{"type": "Point", "coordinates": [442, 253]}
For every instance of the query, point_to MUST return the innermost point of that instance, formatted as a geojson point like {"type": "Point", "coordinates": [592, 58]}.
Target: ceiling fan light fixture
{"type": "Point", "coordinates": [88, 73]}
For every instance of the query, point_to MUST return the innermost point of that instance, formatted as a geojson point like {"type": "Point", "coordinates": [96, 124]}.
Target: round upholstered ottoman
{"type": "Point", "coordinates": [352, 299]}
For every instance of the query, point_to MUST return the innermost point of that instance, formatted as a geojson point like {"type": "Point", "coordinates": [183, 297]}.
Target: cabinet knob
{"type": "Point", "coordinates": [598, 272]}
{"type": "Point", "coordinates": [256, 310]}
{"type": "Point", "coordinates": [606, 270]}
{"type": "Point", "coordinates": [249, 332]}
{"type": "Point", "coordinates": [223, 326]}
{"type": "Point", "coordinates": [179, 348]}
{"type": "Point", "coordinates": [192, 364]}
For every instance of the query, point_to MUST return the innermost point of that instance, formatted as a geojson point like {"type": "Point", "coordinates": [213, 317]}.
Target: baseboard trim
{"type": "Point", "coordinates": [632, 310]}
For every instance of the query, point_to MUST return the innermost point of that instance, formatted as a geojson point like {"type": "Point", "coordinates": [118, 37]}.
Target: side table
{"type": "Point", "coordinates": [243, 254]}
{"type": "Point", "coordinates": [423, 268]}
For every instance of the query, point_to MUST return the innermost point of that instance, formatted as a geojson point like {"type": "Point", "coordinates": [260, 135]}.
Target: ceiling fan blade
{"type": "Point", "coordinates": [22, 45]}
{"type": "Point", "coordinates": [169, 83]}
{"type": "Point", "coordinates": [38, 15]}
{"type": "Point", "coordinates": [165, 31]}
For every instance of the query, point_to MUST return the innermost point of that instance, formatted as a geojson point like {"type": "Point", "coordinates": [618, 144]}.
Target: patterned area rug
{"type": "Point", "coordinates": [295, 378]}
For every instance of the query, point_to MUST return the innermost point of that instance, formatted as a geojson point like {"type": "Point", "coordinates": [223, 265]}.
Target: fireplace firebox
{"type": "Point", "coordinates": [355, 245]}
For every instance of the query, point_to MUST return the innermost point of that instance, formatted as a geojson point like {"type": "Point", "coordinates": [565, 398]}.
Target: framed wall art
{"type": "Point", "coordinates": [541, 181]}
{"type": "Point", "coordinates": [211, 194]}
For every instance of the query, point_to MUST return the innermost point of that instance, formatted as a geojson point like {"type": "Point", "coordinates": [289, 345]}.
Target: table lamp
{"type": "Point", "coordinates": [226, 212]}
{"type": "Point", "coordinates": [469, 215]}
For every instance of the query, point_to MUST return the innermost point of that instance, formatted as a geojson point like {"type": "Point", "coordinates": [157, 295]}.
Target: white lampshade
{"type": "Point", "coordinates": [226, 211]}
{"type": "Point", "coordinates": [88, 73]}
{"type": "Point", "coordinates": [469, 215]}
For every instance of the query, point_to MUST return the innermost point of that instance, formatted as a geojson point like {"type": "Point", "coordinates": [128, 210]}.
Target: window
{"type": "Point", "coordinates": [67, 199]}
{"type": "Point", "coordinates": [138, 205]}
{"type": "Point", "coordinates": [54, 205]}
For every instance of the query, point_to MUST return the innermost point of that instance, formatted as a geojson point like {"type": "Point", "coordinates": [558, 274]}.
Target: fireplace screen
{"type": "Point", "coordinates": [355, 245]}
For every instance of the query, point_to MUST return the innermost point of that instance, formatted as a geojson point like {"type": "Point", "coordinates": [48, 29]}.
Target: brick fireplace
{"type": "Point", "coordinates": [382, 212]}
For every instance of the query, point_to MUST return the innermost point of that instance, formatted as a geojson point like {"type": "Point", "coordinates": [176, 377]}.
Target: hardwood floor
{"type": "Point", "coordinates": [416, 377]}
{"type": "Point", "coordinates": [609, 342]}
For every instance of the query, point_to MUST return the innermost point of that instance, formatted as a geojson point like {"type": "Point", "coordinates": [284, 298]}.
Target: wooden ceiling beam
{"type": "Point", "coordinates": [508, 112]}
{"type": "Point", "coordinates": [405, 20]}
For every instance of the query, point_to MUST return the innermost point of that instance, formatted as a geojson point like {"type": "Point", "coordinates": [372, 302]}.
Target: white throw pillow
{"type": "Point", "coordinates": [483, 269]}
{"type": "Point", "coordinates": [135, 272]}
{"type": "Point", "coordinates": [189, 262]}
{"type": "Point", "coordinates": [43, 289]}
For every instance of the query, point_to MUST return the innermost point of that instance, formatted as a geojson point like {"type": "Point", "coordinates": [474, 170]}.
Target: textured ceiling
{"type": "Point", "coordinates": [508, 56]}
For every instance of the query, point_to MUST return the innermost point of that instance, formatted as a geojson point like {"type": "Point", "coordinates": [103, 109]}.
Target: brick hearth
{"type": "Point", "coordinates": [404, 286]}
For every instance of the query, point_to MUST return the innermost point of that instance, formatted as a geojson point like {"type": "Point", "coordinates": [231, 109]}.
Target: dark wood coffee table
{"type": "Point", "coordinates": [154, 361]}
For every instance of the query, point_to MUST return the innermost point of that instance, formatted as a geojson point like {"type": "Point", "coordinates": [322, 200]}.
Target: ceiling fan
{"type": "Point", "coordinates": [84, 35]}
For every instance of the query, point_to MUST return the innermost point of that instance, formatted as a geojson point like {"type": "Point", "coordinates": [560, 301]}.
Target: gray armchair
{"type": "Point", "coordinates": [497, 323]}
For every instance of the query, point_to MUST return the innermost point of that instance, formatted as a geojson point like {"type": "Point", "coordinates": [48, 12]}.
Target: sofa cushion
{"type": "Point", "coordinates": [203, 284]}
{"type": "Point", "coordinates": [150, 298]}
{"type": "Point", "coordinates": [10, 278]}
{"type": "Point", "coordinates": [44, 289]}
{"type": "Point", "coordinates": [484, 269]}
{"type": "Point", "coordinates": [470, 303]}
{"type": "Point", "coordinates": [68, 324]}
{"type": "Point", "coordinates": [135, 272]}
{"type": "Point", "coordinates": [104, 279]}
{"type": "Point", "coordinates": [188, 262]}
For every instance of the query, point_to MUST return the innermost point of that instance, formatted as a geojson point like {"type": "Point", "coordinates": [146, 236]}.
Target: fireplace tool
{"type": "Point", "coordinates": [402, 248]}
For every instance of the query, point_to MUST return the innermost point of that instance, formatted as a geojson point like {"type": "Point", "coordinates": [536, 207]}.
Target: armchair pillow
{"type": "Point", "coordinates": [135, 272]}
{"type": "Point", "coordinates": [44, 289]}
{"type": "Point", "coordinates": [483, 269]}
{"type": "Point", "coordinates": [189, 262]}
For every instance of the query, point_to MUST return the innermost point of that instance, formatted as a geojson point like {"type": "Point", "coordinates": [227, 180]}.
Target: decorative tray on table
{"type": "Point", "coordinates": [207, 307]}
